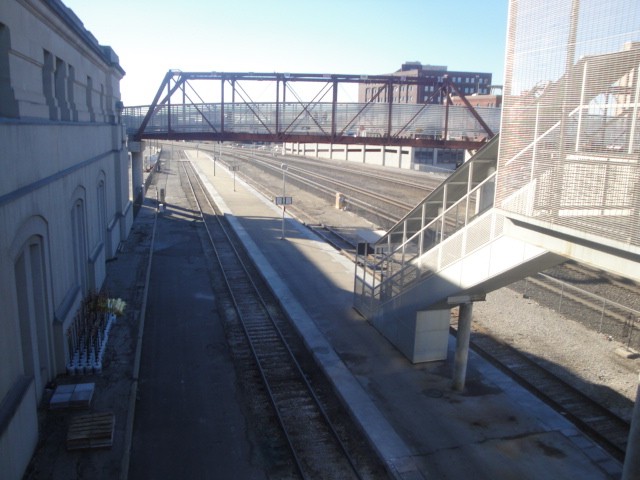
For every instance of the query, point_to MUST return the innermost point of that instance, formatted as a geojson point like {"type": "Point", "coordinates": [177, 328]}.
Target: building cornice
{"type": "Point", "coordinates": [105, 53]}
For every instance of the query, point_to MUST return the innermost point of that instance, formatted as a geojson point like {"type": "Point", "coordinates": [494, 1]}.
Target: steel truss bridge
{"type": "Point", "coordinates": [178, 111]}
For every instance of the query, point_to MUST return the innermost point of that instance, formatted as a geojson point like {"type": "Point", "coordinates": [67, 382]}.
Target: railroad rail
{"type": "Point", "coordinates": [381, 208]}
{"type": "Point", "coordinates": [313, 424]}
{"type": "Point", "coordinates": [375, 203]}
{"type": "Point", "coordinates": [598, 422]}
{"type": "Point", "coordinates": [607, 304]}
{"type": "Point", "coordinates": [599, 283]}
{"type": "Point", "coordinates": [359, 197]}
{"type": "Point", "coordinates": [368, 173]}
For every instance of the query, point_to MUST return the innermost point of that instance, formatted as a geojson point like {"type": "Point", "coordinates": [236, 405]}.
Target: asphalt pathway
{"type": "Point", "coordinates": [188, 420]}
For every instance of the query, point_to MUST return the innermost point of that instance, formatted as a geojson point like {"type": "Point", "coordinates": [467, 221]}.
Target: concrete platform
{"type": "Point", "coordinates": [420, 426]}
{"type": "Point", "coordinates": [181, 385]}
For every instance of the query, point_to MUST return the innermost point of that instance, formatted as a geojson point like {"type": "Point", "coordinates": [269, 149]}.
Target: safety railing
{"type": "Point", "coordinates": [348, 119]}
{"type": "Point", "coordinates": [387, 270]}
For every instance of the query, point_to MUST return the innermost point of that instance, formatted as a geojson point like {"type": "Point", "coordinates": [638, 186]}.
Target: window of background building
{"type": "Point", "coordinates": [423, 155]}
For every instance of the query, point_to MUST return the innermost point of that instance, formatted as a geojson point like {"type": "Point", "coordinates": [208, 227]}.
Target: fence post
{"type": "Point", "coordinates": [631, 324]}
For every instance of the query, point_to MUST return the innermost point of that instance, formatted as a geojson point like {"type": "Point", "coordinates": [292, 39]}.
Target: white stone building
{"type": "Point", "coordinates": [65, 202]}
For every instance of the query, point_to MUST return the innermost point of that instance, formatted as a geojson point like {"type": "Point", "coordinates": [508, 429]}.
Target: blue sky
{"type": "Point", "coordinates": [301, 36]}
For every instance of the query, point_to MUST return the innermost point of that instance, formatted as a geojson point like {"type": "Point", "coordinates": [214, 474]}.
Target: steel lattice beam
{"type": "Point", "coordinates": [327, 130]}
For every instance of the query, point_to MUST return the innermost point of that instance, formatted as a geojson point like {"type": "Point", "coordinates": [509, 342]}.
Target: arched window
{"type": "Point", "coordinates": [33, 312]}
{"type": "Point", "coordinates": [79, 231]}
{"type": "Point", "coordinates": [102, 211]}
{"type": "Point", "coordinates": [89, 99]}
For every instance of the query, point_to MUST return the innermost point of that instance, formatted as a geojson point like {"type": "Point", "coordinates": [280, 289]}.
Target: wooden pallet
{"type": "Point", "coordinates": [91, 431]}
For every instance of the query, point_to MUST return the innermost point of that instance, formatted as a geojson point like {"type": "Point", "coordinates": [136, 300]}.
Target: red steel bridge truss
{"type": "Point", "coordinates": [178, 111]}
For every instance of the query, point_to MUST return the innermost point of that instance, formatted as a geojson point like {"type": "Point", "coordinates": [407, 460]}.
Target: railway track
{"type": "Point", "coordinates": [558, 290]}
{"type": "Point", "coordinates": [599, 283]}
{"type": "Point", "coordinates": [414, 183]}
{"type": "Point", "coordinates": [322, 439]}
{"type": "Point", "coordinates": [603, 426]}
{"type": "Point", "coordinates": [335, 239]}
{"type": "Point", "coordinates": [611, 311]}
{"type": "Point", "coordinates": [391, 182]}
{"type": "Point", "coordinates": [379, 207]}
{"type": "Point", "coordinates": [334, 184]}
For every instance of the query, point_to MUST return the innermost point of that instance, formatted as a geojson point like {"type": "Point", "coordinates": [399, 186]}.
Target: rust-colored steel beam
{"type": "Point", "coordinates": [472, 110]}
{"type": "Point", "coordinates": [293, 138]}
{"type": "Point", "coordinates": [282, 130]}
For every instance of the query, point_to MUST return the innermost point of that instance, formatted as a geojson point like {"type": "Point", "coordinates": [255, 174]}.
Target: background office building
{"type": "Point", "coordinates": [64, 200]}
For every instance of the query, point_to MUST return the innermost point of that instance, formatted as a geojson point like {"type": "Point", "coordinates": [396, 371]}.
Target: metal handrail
{"type": "Point", "coordinates": [394, 283]}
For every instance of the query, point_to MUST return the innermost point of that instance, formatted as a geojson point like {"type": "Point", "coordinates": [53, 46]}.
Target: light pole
{"type": "Point", "coordinates": [284, 168]}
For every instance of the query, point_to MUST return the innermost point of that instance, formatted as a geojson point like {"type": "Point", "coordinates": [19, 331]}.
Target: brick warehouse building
{"type": "Point", "coordinates": [468, 83]}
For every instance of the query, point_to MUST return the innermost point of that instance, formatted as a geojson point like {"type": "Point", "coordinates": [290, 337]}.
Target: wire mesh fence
{"type": "Point", "coordinates": [597, 313]}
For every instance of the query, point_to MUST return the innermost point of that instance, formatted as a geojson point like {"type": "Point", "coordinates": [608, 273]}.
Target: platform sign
{"type": "Point", "coordinates": [284, 200]}
{"type": "Point", "coordinates": [234, 169]}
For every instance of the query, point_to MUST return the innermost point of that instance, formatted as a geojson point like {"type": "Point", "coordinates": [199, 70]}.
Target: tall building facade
{"type": "Point", "coordinates": [467, 83]}
{"type": "Point", "coordinates": [65, 202]}
{"type": "Point", "coordinates": [570, 136]}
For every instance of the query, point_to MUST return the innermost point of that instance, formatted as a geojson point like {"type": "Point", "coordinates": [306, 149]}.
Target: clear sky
{"type": "Point", "coordinates": [299, 36]}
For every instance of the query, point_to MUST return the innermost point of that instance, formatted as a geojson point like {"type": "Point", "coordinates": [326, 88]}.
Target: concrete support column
{"type": "Point", "coordinates": [137, 178]}
{"type": "Point", "coordinates": [428, 337]}
{"type": "Point", "coordinates": [631, 468]}
{"type": "Point", "coordinates": [462, 346]}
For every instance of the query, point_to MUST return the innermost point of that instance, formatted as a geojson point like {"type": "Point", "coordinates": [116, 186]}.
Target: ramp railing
{"type": "Point", "coordinates": [433, 235]}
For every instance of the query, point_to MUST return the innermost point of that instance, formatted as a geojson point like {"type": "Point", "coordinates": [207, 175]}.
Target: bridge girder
{"type": "Point", "coordinates": [276, 126]}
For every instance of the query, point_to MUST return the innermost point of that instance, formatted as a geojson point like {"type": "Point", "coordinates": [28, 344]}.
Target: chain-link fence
{"type": "Point", "coordinates": [595, 312]}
